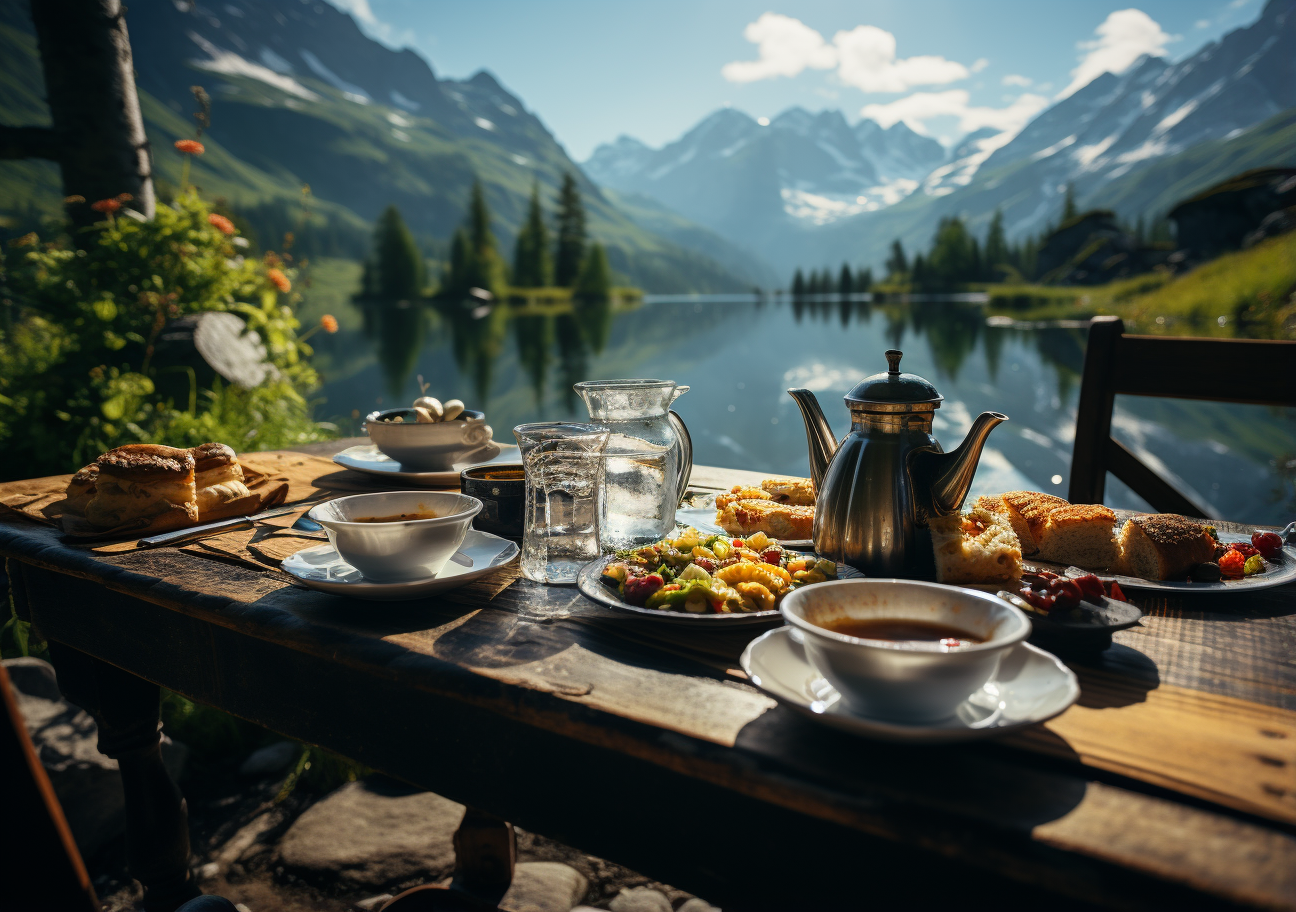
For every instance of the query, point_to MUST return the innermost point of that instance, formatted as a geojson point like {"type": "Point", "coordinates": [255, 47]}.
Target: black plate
{"type": "Point", "coordinates": [1088, 627]}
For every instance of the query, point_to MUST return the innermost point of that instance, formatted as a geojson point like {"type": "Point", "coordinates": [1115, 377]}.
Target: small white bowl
{"type": "Point", "coordinates": [909, 682]}
{"type": "Point", "coordinates": [392, 552]}
{"type": "Point", "coordinates": [433, 447]}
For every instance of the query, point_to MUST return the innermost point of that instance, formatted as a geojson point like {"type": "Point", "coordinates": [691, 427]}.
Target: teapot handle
{"type": "Point", "coordinates": [686, 452]}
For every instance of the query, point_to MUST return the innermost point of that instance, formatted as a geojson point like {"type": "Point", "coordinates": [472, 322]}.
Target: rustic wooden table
{"type": "Point", "coordinates": [1171, 783]}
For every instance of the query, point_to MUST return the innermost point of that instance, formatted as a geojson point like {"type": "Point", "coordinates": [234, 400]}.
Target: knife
{"type": "Point", "coordinates": [206, 530]}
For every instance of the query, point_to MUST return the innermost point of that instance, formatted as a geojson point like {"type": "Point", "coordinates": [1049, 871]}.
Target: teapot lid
{"type": "Point", "coordinates": [893, 387]}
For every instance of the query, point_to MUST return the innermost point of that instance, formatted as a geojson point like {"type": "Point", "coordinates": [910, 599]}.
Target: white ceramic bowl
{"type": "Point", "coordinates": [392, 552]}
{"type": "Point", "coordinates": [903, 681]}
{"type": "Point", "coordinates": [433, 447]}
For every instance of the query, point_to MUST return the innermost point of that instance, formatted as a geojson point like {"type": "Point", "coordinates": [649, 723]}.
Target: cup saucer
{"type": "Point", "coordinates": [324, 569]}
{"type": "Point", "coordinates": [1031, 686]}
{"type": "Point", "coordinates": [367, 458]}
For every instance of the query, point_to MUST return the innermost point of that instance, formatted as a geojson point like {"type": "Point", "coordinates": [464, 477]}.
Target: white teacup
{"type": "Point", "coordinates": [433, 447]}
{"type": "Point", "coordinates": [908, 681]}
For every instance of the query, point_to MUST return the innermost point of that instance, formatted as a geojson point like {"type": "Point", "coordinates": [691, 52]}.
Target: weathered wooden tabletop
{"type": "Point", "coordinates": [1171, 782]}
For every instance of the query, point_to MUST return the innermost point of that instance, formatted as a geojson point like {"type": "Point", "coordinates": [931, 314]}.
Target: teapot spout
{"type": "Point", "coordinates": [819, 434]}
{"type": "Point", "coordinates": [952, 472]}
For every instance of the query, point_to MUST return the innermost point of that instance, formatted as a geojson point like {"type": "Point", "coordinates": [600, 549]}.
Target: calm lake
{"type": "Point", "coordinates": [740, 354]}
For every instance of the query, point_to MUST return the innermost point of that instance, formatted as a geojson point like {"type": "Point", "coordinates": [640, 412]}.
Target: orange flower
{"type": "Point", "coordinates": [106, 206]}
{"type": "Point", "coordinates": [220, 222]}
{"type": "Point", "coordinates": [279, 280]}
{"type": "Point", "coordinates": [329, 322]}
{"type": "Point", "coordinates": [190, 146]}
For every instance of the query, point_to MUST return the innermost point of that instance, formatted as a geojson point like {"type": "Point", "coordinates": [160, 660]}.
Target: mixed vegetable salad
{"type": "Point", "coordinates": [713, 574]}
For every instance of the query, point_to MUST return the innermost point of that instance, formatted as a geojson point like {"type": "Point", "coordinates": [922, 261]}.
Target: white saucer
{"type": "Point", "coordinates": [1033, 686]}
{"type": "Point", "coordinates": [369, 459]}
{"type": "Point", "coordinates": [322, 568]}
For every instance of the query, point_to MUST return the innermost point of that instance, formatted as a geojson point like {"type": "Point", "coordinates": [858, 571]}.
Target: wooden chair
{"type": "Point", "coordinates": [1221, 370]}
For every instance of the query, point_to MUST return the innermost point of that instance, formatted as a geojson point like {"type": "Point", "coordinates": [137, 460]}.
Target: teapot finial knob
{"type": "Point", "coordinates": [893, 361]}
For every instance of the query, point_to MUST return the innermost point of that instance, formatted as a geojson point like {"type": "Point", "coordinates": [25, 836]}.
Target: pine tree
{"type": "Point", "coordinates": [571, 234]}
{"type": "Point", "coordinates": [457, 280]}
{"type": "Point", "coordinates": [532, 265]}
{"type": "Point", "coordinates": [996, 248]}
{"type": "Point", "coordinates": [864, 279]}
{"type": "Point", "coordinates": [846, 281]}
{"type": "Point", "coordinates": [919, 278]}
{"type": "Point", "coordinates": [396, 273]}
{"type": "Point", "coordinates": [479, 230]}
{"type": "Point", "coordinates": [592, 298]}
{"type": "Point", "coordinates": [896, 264]}
{"type": "Point", "coordinates": [798, 284]}
{"type": "Point", "coordinates": [1069, 210]}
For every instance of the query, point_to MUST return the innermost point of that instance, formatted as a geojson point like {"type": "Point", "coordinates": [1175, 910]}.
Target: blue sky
{"type": "Point", "coordinates": [595, 70]}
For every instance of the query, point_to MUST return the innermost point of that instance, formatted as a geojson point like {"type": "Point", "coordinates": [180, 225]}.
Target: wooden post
{"type": "Point", "coordinates": [127, 711]}
{"type": "Point", "coordinates": [1094, 413]}
{"type": "Point", "coordinates": [97, 135]}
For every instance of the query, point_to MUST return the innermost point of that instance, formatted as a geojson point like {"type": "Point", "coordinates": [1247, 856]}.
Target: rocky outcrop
{"type": "Point", "coordinates": [1091, 249]}
{"type": "Point", "coordinates": [1236, 213]}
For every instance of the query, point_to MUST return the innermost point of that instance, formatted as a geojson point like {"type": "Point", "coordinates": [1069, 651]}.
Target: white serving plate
{"type": "Point", "coordinates": [322, 568]}
{"type": "Point", "coordinates": [1031, 686]}
{"type": "Point", "coordinates": [368, 459]}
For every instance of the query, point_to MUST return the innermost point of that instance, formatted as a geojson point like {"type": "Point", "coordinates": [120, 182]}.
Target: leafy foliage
{"type": "Point", "coordinates": [80, 324]}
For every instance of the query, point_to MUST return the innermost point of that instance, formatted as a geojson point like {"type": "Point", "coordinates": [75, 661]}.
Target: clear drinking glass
{"type": "Point", "coordinates": [564, 470]}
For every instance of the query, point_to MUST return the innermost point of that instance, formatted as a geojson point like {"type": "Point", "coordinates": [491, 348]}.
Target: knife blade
{"type": "Point", "coordinates": [206, 530]}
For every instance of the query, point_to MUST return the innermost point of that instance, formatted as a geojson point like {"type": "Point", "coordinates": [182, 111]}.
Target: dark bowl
{"type": "Point", "coordinates": [502, 491]}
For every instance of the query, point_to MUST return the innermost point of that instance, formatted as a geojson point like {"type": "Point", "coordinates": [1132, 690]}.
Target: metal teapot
{"type": "Point", "coordinates": [889, 475]}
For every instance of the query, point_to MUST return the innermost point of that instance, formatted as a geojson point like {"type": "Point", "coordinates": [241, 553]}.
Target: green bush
{"type": "Point", "coordinates": [78, 327]}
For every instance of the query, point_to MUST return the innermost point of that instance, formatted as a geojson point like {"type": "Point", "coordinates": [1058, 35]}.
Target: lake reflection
{"type": "Point", "coordinates": [740, 355]}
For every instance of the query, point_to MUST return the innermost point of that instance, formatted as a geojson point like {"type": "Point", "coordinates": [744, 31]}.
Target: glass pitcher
{"type": "Point", "coordinates": [649, 457]}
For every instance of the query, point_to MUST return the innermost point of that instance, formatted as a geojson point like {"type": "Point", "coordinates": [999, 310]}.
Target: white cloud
{"type": "Point", "coordinates": [787, 46]}
{"type": "Point", "coordinates": [864, 57]}
{"type": "Point", "coordinates": [867, 60]}
{"type": "Point", "coordinates": [1014, 79]}
{"type": "Point", "coordinates": [980, 65]}
{"type": "Point", "coordinates": [920, 107]}
{"type": "Point", "coordinates": [1202, 23]}
{"type": "Point", "coordinates": [1123, 37]}
{"type": "Point", "coordinates": [1238, 4]}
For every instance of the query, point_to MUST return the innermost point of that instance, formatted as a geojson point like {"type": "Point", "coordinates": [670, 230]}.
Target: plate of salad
{"type": "Point", "coordinates": [703, 579]}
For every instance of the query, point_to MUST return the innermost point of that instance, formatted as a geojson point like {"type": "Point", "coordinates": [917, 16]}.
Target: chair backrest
{"type": "Point", "coordinates": [44, 868]}
{"type": "Point", "coordinates": [1222, 370]}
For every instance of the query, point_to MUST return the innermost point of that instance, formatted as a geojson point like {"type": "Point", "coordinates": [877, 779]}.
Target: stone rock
{"type": "Point", "coordinates": [270, 759]}
{"type": "Point", "coordinates": [640, 899]}
{"type": "Point", "coordinates": [86, 782]}
{"type": "Point", "coordinates": [545, 886]}
{"type": "Point", "coordinates": [371, 835]}
{"type": "Point", "coordinates": [696, 905]}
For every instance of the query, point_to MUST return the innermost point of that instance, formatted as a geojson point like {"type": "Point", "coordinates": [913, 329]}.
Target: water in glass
{"type": "Point", "coordinates": [649, 457]}
{"type": "Point", "coordinates": [564, 474]}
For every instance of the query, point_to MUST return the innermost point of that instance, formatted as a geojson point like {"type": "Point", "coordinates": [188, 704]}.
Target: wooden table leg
{"type": "Point", "coordinates": [127, 710]}
{"type": "Point", "coordinates": [485, 855]}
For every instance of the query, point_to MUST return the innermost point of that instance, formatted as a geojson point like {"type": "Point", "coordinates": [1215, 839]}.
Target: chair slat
{"type": "Point", "coordinates": [1222, 370]}
{"type": "Point", "coordinates": [1148, 484]}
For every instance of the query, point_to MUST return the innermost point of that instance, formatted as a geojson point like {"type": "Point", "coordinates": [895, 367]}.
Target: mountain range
{"type": "Point", "coordinates": [300, 96]}
{"type": "Point", "coordinates": [810, 189]}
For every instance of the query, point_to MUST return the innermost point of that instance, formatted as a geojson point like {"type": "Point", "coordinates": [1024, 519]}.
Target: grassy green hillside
{"type": "Point", "coordinates": [265, 144]}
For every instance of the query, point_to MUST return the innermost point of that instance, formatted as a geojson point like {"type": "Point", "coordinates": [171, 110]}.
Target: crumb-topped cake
{"type": "Point", "coordinates": [979, 547]}
{"type": "Point", "coordinates": [1080, 535]}
{"type": "Point", "coordinates": [1160, 546]}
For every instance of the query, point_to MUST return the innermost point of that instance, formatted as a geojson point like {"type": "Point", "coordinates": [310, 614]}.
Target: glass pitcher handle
{"type": "Point", "coordinates": [686, 451]}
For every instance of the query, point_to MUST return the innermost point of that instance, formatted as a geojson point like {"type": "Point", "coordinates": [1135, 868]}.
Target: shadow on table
{"type": "Point", "coordinates": [1118, 676]}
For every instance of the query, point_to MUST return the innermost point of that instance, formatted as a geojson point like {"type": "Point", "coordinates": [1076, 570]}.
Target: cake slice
{"type": "Point", "coordinates": [740, 492]}
{"type": "Point", "coordinates": [777, 520]}
{"type": "Point", "coordinates": [1161, 546]}
{"type": "Point", "coordinates": [1079, 535]}
{"type": "Point", "coordinates": [1027, 511]}
{"type": "Point", "coordinates": [798, 491]}
{"type": "Point", "coordinates": [980, 547]}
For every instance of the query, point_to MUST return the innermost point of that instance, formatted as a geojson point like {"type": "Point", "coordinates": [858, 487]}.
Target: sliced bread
{"type": "Point", "coordinates": [980, 547]}
{"type": "Point", "coordinates": [1027, 511]}
{"type": "Point", "coordinates": [1079, 535]}
{"type": "Point", "coordinates": [1161, 546]}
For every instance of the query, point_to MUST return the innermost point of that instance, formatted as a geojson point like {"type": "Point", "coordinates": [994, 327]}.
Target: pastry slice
{"type": "Point", "coordinates": [740, 492]}
{"type": "Point", "coordinates": [145, 486]}
{"type": "Point", "coordinates": [1027, 511]}
{"type": "Point", "coordinates": [1079, 535]}
{"type": "Point", "coordinates": [1162, 546]}
{"type": "Point", "coordinates": [80, 490]}
{"type": "Point", "coordinates": [782, 521]}
{"type": "Point", "coordinates": [797, 491]}
{"type": "Point", "coordinates": [218, 482]}
{"type": "Point", "coordinates": [980, 547]}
